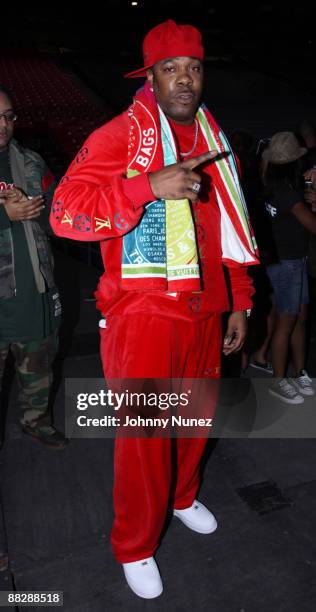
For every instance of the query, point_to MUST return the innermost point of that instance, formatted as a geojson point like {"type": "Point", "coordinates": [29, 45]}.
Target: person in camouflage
{"type": "Point", "coordinates": [33, 364]}
{"type": "Point", "coordinates": [29, 302]}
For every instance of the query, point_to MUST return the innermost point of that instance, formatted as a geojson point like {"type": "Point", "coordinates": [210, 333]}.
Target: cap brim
{"type": "Point", "coordinates": [141, 72]}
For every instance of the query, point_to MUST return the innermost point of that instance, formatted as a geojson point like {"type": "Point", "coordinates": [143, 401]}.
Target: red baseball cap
{"type": "Point", "coordinates": [169, 40]}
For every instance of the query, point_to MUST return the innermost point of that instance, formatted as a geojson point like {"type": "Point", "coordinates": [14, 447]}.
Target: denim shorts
{"type": "Point", "coordinates": [290, 284]}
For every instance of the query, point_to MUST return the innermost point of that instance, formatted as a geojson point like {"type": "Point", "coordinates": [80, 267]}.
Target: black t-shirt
{"type": "Point", "coordinates": [26, 316]}
{"type": "Point", "coordinates": [289, 239]}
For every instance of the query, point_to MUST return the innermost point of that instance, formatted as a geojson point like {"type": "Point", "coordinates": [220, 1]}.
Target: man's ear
{"type": "Point", "coordinates": [150, 78]}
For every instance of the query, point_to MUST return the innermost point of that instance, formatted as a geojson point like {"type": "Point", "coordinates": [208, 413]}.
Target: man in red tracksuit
{"type": "Point", "coordinates": [153, 332]}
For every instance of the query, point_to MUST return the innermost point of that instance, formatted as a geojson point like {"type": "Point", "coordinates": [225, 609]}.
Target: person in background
{"type": "Point", "coordinates": [291, 221]}
{"type": "Point", "coordinates": [260, 325]}
{"type": "Point", "coordinates": [29, 301]}
{"type": "Point", "coordinates": [158, 186]}
{"type": "Point", "coordinates": [307, 134]}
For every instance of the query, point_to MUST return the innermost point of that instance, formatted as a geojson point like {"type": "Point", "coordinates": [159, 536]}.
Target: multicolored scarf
{"type": "Point", "coordinates": [161, 252]}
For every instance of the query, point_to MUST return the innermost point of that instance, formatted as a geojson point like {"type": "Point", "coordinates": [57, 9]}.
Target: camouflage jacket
{"type": "Point", "coordinates": [29, 172]}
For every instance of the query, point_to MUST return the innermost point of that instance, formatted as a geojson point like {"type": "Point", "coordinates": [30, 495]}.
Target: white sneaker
{"type": "Point", "coordinates": [197, 517]}
{"type": "Point", "coordinates": [303, 384]}
{"type": "Point", "coordinates": [284, 390]}
{"type": "Point", "coordinates": [143, 578]}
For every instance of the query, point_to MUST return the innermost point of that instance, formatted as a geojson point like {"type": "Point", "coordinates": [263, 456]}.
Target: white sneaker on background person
{"type": "Point", "coordinates": [284, 390]}
{"type": "Point", "coordinates": [303, 384]}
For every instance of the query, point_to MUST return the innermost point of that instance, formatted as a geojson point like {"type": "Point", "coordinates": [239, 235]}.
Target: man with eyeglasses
{"type": "Point", "coordinates": [29, 301]}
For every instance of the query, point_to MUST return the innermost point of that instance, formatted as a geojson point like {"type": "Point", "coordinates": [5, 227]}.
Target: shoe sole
{"type": "Point", "coordinates": [46, 444]}
{"type": "Point", "coordinates": [193, 528]}
{"type": "Point", "coordinates": [258, 367]}
{"type": "Point", "coordinates": [143, 595]}
{"type": "Point", "coordinates": [287, 400]}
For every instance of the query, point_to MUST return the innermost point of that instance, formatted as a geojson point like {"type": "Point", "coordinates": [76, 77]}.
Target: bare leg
{"type": "Point", "coordinates": [244, 359]}
{"type": "Point", "coordinates": [261, 353]}
{"type": "Point", "coordinates": [298, 341]}
{"type": "Point", "coordinates": [284, 325]}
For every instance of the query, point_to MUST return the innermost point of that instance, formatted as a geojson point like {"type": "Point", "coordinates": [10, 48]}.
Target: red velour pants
{"type": "Point", "coordinates": [146, 346]}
